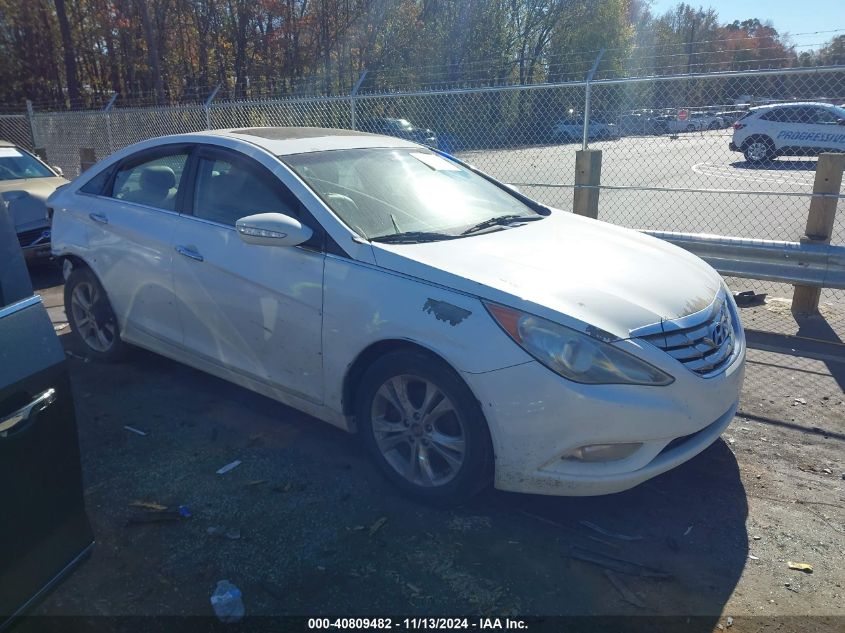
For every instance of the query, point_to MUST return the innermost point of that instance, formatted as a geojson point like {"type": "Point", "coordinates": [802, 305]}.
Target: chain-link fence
{"type": "Point", "coordinates": [15, 128]}
{"type": "Point", "coordinates": [667, 159]}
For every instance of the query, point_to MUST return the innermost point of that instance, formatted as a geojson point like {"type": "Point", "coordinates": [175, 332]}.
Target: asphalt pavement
{"type": "Point", "coordinates": [731, 197]}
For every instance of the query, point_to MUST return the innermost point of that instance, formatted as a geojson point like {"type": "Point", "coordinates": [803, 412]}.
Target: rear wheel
{"type": "Point", "coordinates": [759, 149]}
{"type": "Point", "coordinates": [424, 428]}
{"type": "Point", "coordinates": [91, 317]}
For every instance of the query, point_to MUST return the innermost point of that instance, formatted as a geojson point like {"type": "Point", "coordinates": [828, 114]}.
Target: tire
{"type": "Point", "coordinates": [690, 128]}
{"type": "Point", "coordinates": [451, 442]}
{"type": "Point", "coordinates": [92, 320]}
{"type": "Point", "coordinates": [758, 149]}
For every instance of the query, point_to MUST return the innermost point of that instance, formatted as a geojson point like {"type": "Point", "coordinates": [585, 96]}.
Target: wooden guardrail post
{"type": "Point", "coordinates": [87, 158]}
{"type": "Point", "coordinates": [805, 299]}
{"type": "Point", "coordinates": [587, 180]}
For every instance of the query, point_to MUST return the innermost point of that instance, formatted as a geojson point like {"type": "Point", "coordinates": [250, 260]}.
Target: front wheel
{"type": "Point", "coordinates": [424, 428]}
{"type": "Point", "coordinates": [91, 317]}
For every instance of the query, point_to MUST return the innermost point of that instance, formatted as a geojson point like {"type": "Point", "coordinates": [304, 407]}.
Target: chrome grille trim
{"type": "Point", "coordinates": [704, 342]}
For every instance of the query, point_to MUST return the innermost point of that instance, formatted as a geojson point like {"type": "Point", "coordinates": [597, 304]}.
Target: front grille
{"type": "Point", "coordinates": [34, 237]}
{"type": "Point", "coordinates": [703, 342]}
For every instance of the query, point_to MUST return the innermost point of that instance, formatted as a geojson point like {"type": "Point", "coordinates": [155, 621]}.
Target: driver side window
{"type": "Point", "coordinates": [228, 188]}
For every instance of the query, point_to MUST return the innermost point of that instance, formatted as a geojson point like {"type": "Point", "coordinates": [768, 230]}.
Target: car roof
{"type": "Point", "coordinates": [299, 140]}
{"type": "Point", "coordinates": [794, 104]}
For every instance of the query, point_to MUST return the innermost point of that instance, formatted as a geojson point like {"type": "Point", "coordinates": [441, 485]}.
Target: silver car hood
{"type": "Point", "coordinates": [27, 200]}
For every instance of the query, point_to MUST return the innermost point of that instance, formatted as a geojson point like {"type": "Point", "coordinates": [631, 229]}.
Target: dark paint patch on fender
{"type": "Point", "coordinates": [444, 311]}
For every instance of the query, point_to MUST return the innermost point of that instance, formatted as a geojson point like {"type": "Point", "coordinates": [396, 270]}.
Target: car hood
{"type": "Point", "coordinates": [579, 272]}
{"type": "Point", "coordinates": [27, 200]}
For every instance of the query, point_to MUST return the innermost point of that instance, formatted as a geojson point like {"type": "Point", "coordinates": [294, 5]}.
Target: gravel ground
{"type": "Point", "coordinates": [313, 529]}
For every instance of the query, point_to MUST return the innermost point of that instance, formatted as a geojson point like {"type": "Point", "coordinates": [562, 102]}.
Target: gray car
{"type": "Point", "coordinates": [25, 184]}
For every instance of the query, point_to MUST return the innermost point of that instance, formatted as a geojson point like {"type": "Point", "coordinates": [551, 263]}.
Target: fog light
{"type": "Point", "coordinates": [603, 452]}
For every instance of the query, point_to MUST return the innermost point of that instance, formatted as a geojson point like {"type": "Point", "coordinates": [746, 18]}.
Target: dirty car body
{"type": "Point", "coordinates": [466, 331]}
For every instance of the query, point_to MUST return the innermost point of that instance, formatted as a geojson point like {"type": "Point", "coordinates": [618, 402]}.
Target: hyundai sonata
{"type": "Point", "coordinates": [466, 332]}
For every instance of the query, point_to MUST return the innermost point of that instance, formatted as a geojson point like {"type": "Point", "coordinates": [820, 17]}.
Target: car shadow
{"type": "Point", "coordinates": [45, 274]}
{"type": "Point", "coordinates": [776, 165]}
{"type": "Point", "coordinates": [674, 546]}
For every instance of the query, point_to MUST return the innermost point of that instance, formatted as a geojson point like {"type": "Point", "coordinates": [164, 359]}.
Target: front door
{"type": "Point", "coordinates": [255, 310]}
{"type": "Point", "coordinates": [43, 526]}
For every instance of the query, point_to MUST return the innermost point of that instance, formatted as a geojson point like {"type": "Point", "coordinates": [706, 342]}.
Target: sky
{"type": "Point", "coordinates": [792, 16]}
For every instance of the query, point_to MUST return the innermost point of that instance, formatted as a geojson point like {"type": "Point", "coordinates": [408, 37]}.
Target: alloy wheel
{"type": "Point", "coordinates": [418, 430]}
{"type": "Point", "coordinates": [93, 323]}
{"type": "Point", "coordinates": [758, 151]}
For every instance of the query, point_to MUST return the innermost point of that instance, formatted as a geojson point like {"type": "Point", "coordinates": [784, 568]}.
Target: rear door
{"type": "Point", "coordinates": [129, 219]}
{"type": "Point", "coordinates": [43, 526]}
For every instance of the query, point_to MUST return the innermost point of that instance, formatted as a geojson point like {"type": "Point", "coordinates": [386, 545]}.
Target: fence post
{"type": "Point", "coordinates": [587, 91]}
{"type": "Point", "coordinates": [207, 106]}
{"type": "Point", "coordinates": [826, 187]}
{"type": "Point", "coordinates": [352, 96]}
{"type": "Point", "coordinates": [30, 117]}
{"type": "Point", "coordinates": [87, 158]}
{"type": "Point", "coordinates": [585, 199]}
{"type": "Point", "coordinates": [107, 111]}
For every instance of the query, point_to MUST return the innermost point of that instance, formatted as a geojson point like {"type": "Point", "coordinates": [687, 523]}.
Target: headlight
{"type": "Point", "coordinates": [573, 355]}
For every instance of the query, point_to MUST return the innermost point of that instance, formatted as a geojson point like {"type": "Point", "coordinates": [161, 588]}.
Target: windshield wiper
{"type": "Point", "coordinates": [502, 220]}
{"type": "Point", "coordinates": [413, 237]}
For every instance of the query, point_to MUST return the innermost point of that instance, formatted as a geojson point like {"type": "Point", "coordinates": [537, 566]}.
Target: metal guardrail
{"type": "Point", "coordinates": [803, 263]}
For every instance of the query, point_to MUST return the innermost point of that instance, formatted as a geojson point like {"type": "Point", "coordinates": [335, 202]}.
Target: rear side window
{"type": "Point", "coordinates": [778, 115]}
{"type": "Point", "coordinates": [153, 183]}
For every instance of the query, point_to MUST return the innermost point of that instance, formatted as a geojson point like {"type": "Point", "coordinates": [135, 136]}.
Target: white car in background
{"type": "Point", "coordinates": [706, 120]}
{"type": "Point", "coordinates": [571, 130]}
{"type": "Point", "coordinates": [789, 129]}
{"type": "Point", "coordinates": [465, 331]}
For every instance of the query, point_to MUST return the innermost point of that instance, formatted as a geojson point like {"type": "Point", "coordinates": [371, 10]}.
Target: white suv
{"type": "Point", "coordinates": [789, 129]}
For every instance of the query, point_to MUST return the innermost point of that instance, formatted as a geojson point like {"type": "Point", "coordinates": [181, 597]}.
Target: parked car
{"type": "Point", "coordinates": [44, 531]}
{"type": "Point", "coordinates": [673, 124]}
{"type": "Point", "coordinates": [789, 129]}
{"type": "Point", "coordinates": [466, 331]}
{"type": "Point", "coordinates": [572, 129]}
{"type": "Point", "coordinates": [729, 117]}
{"type": "Point", "coordinates": [25, 184]}
{"type": "Point", "coordinates": [400, 128]}
{"type": "Point", "coordinates": [706, 120]}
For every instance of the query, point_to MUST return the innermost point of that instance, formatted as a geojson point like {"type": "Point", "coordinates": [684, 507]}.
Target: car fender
{"type": "Point", "coordinates": [365, 305]}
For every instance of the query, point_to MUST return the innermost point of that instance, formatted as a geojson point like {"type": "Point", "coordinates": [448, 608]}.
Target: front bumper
{"type": "Point", "coordinates": [536, 418]}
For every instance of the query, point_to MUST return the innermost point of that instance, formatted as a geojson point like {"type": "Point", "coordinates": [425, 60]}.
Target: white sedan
{"type": "Point", "coordinates": [465, 331]}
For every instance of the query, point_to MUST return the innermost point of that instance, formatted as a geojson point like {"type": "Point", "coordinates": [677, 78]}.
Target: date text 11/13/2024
{"type": "Point", "coordinates": [436, 624]}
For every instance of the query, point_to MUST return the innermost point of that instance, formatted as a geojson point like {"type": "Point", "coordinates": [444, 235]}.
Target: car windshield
{"type": "Point", "coordinates": [15, 165]}
{"type": "Point", "coordinates": [838, 112]}
{"type": "Point", "coordinates": [387, 192]}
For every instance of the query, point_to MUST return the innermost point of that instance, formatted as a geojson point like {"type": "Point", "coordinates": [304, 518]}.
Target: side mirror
{"type": "Point", "coordinates": [58, 170]}
{"type": "Point", "coordinates": [272, 229]}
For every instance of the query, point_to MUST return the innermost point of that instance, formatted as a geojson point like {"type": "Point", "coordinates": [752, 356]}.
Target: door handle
{"type": "Point", "coordinates": [41, 402]}
{"type": "Point", "coordinates": [189, 252]}
{"type": "Point", "coordinates": [99, 218]}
